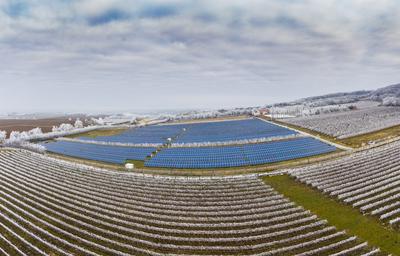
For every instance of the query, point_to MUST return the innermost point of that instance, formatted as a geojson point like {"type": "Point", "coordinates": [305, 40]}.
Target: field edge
{"type": "Point", "coordinates": [341, 216]}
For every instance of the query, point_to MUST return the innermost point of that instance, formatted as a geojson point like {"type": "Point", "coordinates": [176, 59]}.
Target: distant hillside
{"type": "Point", "coordinates": [387, 96]}
{"type": "Point", "coordinates": [388, 91]}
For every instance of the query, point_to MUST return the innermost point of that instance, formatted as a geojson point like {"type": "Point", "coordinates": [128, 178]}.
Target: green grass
{"type": "Point", "coordinates": [137, 163]}
{"type": "Point", "coordinates": [342, 216]}
{"type": "Point", "coordinates": [358, 141]}
{"type": "Point", "coordinates": [100, 132]}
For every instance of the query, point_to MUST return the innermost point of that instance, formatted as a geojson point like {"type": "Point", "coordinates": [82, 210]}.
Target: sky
{"type": "Point", "coordinates": [127, 55]}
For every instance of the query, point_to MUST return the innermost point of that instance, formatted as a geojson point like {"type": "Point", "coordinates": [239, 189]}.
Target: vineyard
{"type": "Point", "coordinates": [53, 207]}
{"type": "Point", "coordinates": [199, 128]}
{"type": "Point", "coordinates": [368, 180]}
{"type": "Point", "coordinates": [350, 123]}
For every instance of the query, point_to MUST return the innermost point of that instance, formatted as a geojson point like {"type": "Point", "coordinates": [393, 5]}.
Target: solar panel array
{"type": "Point", "coordinates": [231, 156]}
{"type": "Point", "coordinates": [103, 153]}
{"type": "Point", "coordinates": [197, 157]}
{"type": "Point", "coordinates": [199, 132]}
{"type": "Point", "coordinates": [148, 134]}
{"type": "Point", "coordinates": [230, 131]}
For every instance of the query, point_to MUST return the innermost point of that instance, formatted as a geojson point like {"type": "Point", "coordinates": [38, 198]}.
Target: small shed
{"type": "Point", "coordinates": [129, 166]}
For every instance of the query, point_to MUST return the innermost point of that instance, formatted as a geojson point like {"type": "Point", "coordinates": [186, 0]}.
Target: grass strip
{"type": "Point", "coordinates": [99, 133]}
{"type": "Point", "coordinates": [342, 216]}
{"type": "Point", "coordinates": [377, 136]}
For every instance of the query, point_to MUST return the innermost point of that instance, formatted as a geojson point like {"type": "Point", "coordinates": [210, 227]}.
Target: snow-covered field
{"type": "Point", "coordinates": [350, 123]}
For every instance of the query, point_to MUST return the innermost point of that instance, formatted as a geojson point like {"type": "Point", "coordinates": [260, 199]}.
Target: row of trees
{"type": "Point", "coordinates": [235, 142]}
{"type": "Point", "coordinates": [17, 136]}
{"type": "Point", "coordinates": [68, 127]}
{"type": "Point", "coordinates": [211, 114]}
{"type": "Point", "coordinates": [306, 110]}
{"type": "Point", "coordinates": [22, 139]}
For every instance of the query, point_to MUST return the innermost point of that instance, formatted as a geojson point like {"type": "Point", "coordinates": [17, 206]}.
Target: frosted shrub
{"type": "Point", "coordinates": [35, 132]}
{"type": "Point", "coordinates": [391, 101]}
{"type": "Point", "coordinates": [3, 136]}
{"type": "Point", "coordinates": [78, 124]}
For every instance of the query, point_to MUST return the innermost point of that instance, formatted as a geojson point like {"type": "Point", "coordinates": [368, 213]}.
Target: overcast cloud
{"type": "Point", "coordinates": [87, 55]}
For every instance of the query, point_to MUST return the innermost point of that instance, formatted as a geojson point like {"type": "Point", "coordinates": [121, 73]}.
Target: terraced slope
{"type": "Point", "coordinates": [369, 181]}
{"type": "Point", "coordinates": [55, 208]}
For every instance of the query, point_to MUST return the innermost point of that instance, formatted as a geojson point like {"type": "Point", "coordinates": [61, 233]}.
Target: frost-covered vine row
{"type": "Point", "coordinates": [350, 123]}
{"type": "Point", "coordinates": [368, 180]}
{"type": "Point", "coordinates": [54, 207]}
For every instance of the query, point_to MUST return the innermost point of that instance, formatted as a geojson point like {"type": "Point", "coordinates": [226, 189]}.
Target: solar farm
{"type": "Point", "coordinates": [348, 205]}
{"type": "Point", "coordinates": [199, 128]}
{"type": "Point", "coordinates": [245, 186]}
{"type": "Point", "coordinates": [205, 145]}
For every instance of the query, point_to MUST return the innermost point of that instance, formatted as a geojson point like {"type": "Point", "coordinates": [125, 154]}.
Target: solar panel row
{"type": "Point", "coordinates": [232, 156]}
{"type": "Point", "coordinates": [231, 131]}
{"type": "Point", "coordinates": [198, 157]}
{"type": "Point", "coordinates": [108, 154]}
{"type": "Point", "coordinates": [199, 132]}
{"type": "Point", "coordinates": [148, 134]}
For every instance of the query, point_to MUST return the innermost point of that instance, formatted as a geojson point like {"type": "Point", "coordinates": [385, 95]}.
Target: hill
{"type": "Point", "coordinates": [387, 96]}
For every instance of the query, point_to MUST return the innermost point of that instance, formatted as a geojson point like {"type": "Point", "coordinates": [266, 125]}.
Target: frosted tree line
{"type": "Point", "coordinates": [307, 110]}
{"type": "Point", "coordinates": [212, 114]}
{"type": "Point", "coordinates": [23, 139]}
{"type": "Point", "coordinates": [235, 142]}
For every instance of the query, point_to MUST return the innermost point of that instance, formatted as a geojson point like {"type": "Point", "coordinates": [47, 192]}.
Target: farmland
{"type": "Point", "coordinates": [338, 214]}
{"type": "Point", "coordinates": [45, 124]}
{"type": "Point", "coordinates": [60, 208]}
{"type": "Point", "coordinates": [351, 123]}
{"type": "Point", "coordinates": [369, 181]}
{"type": "Point", "coordinates": [246, 186]}
{"type": "Point", "coordinates": [55, 206]}
{"type": "Point", "coordinates": [199, 128]}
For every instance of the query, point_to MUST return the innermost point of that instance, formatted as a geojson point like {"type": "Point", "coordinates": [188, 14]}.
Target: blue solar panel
{"type": "Point", "coordinates": [198, 157]}
{"type": "Point", "coordinates": [199, 132]}
{"type": "Point", "coordinates": [231, 131]}
{"type": "Point", "coordinates": [243, 155]}
{"type": "Point", "coordinates": [148, 134]}
{"type": "Point", "coordinates": [104, 153]}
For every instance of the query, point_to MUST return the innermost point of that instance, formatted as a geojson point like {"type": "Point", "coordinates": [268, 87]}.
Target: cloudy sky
{"type": "Point", "coordinates": [88, 55]}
